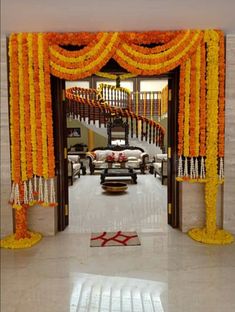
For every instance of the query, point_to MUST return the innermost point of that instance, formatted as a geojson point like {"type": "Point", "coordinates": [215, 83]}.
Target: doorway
{"type": "Point", "coordinates": [58, 91]}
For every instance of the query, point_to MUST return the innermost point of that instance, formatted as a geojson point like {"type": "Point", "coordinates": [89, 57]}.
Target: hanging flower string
{"type": "Point", "coordinates": [197, 99]}
{"type": "Point", "coordinates": [14, 111]}
{"type": "Point", "coordinates": [32, 103]}
{"type": "Point", "coordinates": [37, 107]}
{"type": "Point", "coordinates": [221, 112]}
{"type": "Point", "coordinates": [28, 147]}
{"type": "Point", "coordinates": [181, 121]}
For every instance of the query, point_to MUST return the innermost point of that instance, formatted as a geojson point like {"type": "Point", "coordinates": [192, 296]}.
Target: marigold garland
{"type": "Point", "coordinates": [133, 64]}
{"type": "Point", "coordinates": [79, 58]}
{"type": "Point", "coordinates": [43, 106]}
{"type": "Point", "coordinates": [33, 57]}
{"type": "Point", "coordinates": [187, 108]}
{"type": "Point", "coordinates": [149, 37]}
{"type": "Point", "coordinates": [48, 108]}
{"type": "Point", "coordinates": [160, 48]}
{"type": "Point", "coordinates": [176, 48]}
{"type": "Point", "coordinates": [14, 109]}
{"type": "Point", "coordinates": [197, 100]}
{"type": "Point", "coordinates": [192, 107]}
{"type": "Point", "coordinates": [28, 148]}
{"type": "Point", "coordinates": [22, 111]}
{"type": "Point", "coordinates": [221, 113]}
{"type": "Point", "coordinates": [12, 242]}
{"type": "Point", "coordinates": [210, 234]}
{"type": "Point", "coordinates": [181, 111]}
{"type": "Point", "coordinates": [37, 105]}
{"type": "Point", "coordinates": [32, 103]}
{"type": "Point", "coordinates": [202, 148]}
{"type": "Point", "coordinates": [87, 67]}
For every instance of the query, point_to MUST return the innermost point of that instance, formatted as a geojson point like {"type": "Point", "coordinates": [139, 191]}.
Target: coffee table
{"type": "Point", "coordinates": [118, 172]}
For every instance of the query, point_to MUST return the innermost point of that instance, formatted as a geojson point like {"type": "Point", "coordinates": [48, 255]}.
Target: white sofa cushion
{"type": "Point", "coordinates": [74, 158]}
{"type": "Point", "coordinates": [133, 163]}
{"type": "Point", "coordinates": [76, 166]}
{"type": "Point", "coordinates": [157, 166]}
{"type": "Point", "coordinates": [132, 153]}
{"type": "Point", "coordinates": [161, 157]}
{"type": "Point", "coordinates": [101, 155]}
{"type": "Point", "coordinates": [132, 158]}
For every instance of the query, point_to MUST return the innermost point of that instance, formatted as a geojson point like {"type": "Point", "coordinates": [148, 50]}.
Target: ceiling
{"type": "Point", "coordinates": [119, 15]}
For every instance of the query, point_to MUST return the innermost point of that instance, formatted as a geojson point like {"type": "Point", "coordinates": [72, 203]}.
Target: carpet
{"type": "Point", "coordinates": [105, 239]}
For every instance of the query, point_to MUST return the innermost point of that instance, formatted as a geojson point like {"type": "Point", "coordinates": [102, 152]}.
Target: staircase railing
{"type": "Point", "coordinates": [116, 97]}
{"type": "Point", "coordinates": [92, 105]}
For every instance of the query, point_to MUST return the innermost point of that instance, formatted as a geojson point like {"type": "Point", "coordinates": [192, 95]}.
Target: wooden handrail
{"type": "Point", "coordinates": [82, 103]}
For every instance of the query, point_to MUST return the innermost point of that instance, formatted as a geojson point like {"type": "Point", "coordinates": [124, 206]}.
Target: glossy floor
{"type": "Point", "coordinates": [169, 272]}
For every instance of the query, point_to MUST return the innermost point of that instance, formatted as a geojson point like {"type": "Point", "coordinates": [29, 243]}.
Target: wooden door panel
{"type": "Point", "coordinates": [173, 187]}
{"type": "Point", "coordinates": [60, 143]}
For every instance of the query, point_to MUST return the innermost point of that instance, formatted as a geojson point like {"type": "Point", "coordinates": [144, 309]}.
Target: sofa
{"type": "Point", "coordinates": [74, 167]}
{"type": "Point", "coordinates": [136, 158]}
{"type": "Point", "coordinates": [160, 166]}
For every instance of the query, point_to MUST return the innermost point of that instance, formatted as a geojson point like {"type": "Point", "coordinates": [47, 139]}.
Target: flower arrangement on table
{"type": "Point", "coordinates": [110, 158]}
{"type": "Point", "coordinates": [122, 157]}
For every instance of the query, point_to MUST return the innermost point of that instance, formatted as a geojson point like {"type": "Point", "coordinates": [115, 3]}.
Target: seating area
{"type": "Point", "coordinates": [131, 157]}
{"type": "Point", "coordinates": [135, 158]}
{"type": "Point", "coordinates": [160, 166]}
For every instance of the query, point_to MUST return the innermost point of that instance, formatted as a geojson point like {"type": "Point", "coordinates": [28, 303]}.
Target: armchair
{"type": "Point", "coordinates": [74, 167]}
{"type": "Point", "coordinates": [160, 166]}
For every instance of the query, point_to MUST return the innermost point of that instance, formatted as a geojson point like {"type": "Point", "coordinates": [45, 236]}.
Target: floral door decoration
{"type": "Point", "coordinates": [33, 57]}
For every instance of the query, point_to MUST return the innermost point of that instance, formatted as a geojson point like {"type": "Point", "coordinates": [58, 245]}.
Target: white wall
{"type": "Point", "coordinates": [6, 211]}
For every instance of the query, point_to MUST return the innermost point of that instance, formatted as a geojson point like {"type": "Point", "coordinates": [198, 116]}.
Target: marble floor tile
{"type": "Point", "coordinates": [169, 272]}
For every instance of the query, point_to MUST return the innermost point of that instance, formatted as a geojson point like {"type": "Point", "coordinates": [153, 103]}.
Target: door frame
{"type": "Point", "coordinates": [60, 146]}
{"type": "Point", "coordinates": [172, 141]}
{"type": "Point", "coordinates": [61, 161]}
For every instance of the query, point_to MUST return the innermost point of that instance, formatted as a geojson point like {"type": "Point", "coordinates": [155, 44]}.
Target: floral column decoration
{"type": "Point", "coordinates": [32, 149]}
{"type": "Point", "coordinates": [210, 233]}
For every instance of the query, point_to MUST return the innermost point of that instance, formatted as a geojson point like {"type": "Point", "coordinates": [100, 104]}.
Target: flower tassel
{"type": "Point", "coordinates": [202, 171]}
{"type": "Point", "coordinates": [196, 168]}
{"type": "Point", "coordinates": [52, 193]}
{"type": "Point", "coordinates": [180, 167]}
{"type": "Point", "coordinates": [16, 202]}
{"type": "Point", "coordinates": [11, 199]}
{"type": "Point", "coordinates": [186, 167]}
{"type": "Point", "coordinates": [31, 197]}
{"type": "Point", "coordinates": [40, 191]}
{"type": "Point", "coordinates": [45, 203]}
{"type": "Point", "coordinates": [192, 169]}
{"type": "Point", "coordinates": [35, 186]}
{"type": "Point", "coordinates": [221, 169]}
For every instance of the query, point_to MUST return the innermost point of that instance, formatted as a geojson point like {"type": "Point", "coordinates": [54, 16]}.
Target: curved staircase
{"type": "Point", "coordinates": [96, 108]}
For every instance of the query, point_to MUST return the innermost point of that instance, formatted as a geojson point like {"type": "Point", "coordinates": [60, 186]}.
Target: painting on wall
{"type": "Point", "coordinates": [73, 132]}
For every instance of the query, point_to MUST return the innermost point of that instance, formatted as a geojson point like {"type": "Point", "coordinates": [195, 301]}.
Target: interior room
{"type": "Point", "coordinates": [117, 156]}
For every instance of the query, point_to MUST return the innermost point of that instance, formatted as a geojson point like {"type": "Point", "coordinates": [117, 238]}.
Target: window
{"type": "Point", "coordinates": [80, 84]}
{"type": "Point", "coordinates": [153, 85]}
{"type": "Point", "coordinates": [124, 84]}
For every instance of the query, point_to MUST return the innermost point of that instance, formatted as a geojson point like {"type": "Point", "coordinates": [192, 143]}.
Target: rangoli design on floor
{"type": "Point", "coordinates": [105, 239]}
